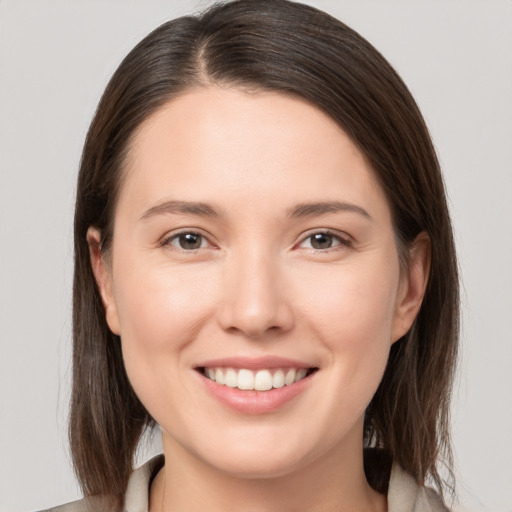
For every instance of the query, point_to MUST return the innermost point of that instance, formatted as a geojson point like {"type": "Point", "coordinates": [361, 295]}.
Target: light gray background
{"type": "Point", "coordinates": [55, 60]}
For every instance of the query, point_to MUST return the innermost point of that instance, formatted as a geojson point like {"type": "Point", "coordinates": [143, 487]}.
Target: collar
{"type": "Point", "coordinates": [404, 494]}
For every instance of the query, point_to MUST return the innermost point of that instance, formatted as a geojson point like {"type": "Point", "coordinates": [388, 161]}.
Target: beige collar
{"type": "Point", "coordinates": [404, 494]}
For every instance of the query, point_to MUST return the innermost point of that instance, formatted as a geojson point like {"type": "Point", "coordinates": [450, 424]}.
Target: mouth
{"type": "Point", "coordinates": [263, 379]}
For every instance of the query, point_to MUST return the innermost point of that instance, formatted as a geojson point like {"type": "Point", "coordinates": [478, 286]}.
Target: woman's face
{"type": "Point", "coordinates": [253, 246]}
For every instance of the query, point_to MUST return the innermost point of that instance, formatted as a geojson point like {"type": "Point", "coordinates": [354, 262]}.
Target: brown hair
{"type": "Point", "coordinates": [298, 50]}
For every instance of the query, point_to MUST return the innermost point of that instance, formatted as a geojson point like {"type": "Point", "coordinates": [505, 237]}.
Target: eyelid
{"type": "Point", "coordinates": [343, 238]}
{"type": "Point", "coordinates": [168, 237]}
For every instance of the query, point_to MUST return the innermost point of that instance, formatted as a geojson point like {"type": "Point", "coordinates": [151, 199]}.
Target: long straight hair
{"type": "Point", "coordinates": [271, 45]}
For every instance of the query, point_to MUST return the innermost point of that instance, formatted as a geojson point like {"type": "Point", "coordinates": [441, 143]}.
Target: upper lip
{"type": "Point", "coordinates": [254, 363]}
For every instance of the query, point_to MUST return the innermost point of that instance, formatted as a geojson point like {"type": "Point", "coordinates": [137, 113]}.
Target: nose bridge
{"type": "Point", "coordinates": [254, 300]}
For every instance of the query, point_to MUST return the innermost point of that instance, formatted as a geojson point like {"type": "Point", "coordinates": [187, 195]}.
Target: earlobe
{"type": "Point", "coordinates": [103, 277]}
{"type": "Point", "coordinates": [412, 287]}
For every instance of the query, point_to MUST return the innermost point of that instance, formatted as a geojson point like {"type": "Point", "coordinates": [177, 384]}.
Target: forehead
{"type": "Point", "coordinates": [214, 144]}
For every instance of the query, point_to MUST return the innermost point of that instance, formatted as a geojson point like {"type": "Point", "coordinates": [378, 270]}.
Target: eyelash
{"type": "Point", "coordinates": [341, 241]}
{"type": "Point", "coordinates": [175, 236]}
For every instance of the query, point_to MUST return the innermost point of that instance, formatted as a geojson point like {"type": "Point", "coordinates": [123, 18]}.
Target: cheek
{"type": "Point", "coordinates": [163, 307]}
{"type": "Point", "coordinates": [161, 310]}
{"type": "Point", "coordinates": [354, 304]}
{"type": "Point", "coordinates": [352, 316]}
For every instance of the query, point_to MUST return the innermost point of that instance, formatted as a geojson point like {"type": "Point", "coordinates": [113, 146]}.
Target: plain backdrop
{"type": "Point", "coordinates": [55, 60]}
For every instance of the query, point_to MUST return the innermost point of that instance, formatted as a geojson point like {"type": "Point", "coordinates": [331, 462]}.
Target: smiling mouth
{"type": "Point", "coordinates": [255, 380]}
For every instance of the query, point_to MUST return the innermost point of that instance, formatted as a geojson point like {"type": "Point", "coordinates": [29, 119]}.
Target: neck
{"type": "Point", "coordinates": [334, 482]}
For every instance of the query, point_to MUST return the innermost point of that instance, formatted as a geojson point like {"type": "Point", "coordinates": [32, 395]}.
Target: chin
{"type": "Point", "coordinates": [254, 468]}
{"type": "Point", "coordinates": [251, 459]}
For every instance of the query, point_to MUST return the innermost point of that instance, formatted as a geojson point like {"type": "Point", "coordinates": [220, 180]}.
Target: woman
{"type": "Point", "coordinates": [264, 267]}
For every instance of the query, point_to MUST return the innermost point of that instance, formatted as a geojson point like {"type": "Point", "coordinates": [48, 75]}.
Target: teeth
{"type": "Point", "coordinates": [245, 379]}
{"type": "Point", "coordinates": [219, 376]}
{"type": "Point", "coordinates": [261, 380]}
{"type": "Point", "coordinates": [300, 374]}
{"type": "Point", "coordinates": [278, 379]}
{"type": "Point", "coordinates": [290, 377]}
{"type": "Point", "coordinates": [231, 379]}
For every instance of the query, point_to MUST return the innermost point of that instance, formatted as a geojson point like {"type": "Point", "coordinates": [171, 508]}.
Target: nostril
{"type": "Point", "coordinates": [255, 309]}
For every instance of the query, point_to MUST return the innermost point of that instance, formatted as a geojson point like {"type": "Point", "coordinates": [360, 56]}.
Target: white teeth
{"type": "Point", "coordinates": [290, 377]}
{"type": "Point", "coordinates": [219, 376]}
{"type": "Point", "coordinates": [245, 379]}
{"type": "Point", "coordinates": [231, 379]}
{"type": "Point", "coordinates": [278, 379]}
{"type": "Point", "coordinates": [300, 374]}
{"type": "Point", "coordinates": [261, 380]}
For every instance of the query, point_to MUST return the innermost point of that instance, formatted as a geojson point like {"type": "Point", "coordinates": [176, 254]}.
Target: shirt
{"type": "Point", "coordinates": [404, 494]}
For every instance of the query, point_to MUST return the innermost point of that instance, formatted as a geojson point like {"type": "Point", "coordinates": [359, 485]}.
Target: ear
{"type": "Point", "coordinates": [413, 284]}
{"type": "Point", "coordinates": [103, 276]}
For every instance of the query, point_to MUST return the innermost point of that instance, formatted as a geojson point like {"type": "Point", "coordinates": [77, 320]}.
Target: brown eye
{"type": "Point", "coordinates": [188, 241]}
{"type": "Point", "coordinates": [321, 241]}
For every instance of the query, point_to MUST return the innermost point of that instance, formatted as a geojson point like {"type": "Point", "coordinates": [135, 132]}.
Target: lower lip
{"type": "Point", "coordinates": [256, 402]}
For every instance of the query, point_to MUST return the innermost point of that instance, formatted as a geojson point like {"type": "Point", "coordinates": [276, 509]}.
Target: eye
{"type": "Point", "coordinates": [187, 241]}
{"type": "Point", "coordinates": [322, 241]}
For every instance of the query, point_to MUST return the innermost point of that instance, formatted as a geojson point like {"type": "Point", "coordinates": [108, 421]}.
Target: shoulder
{"type": "Point", "coordinates": [137, 492]}
{"type": "Point", "coordinates": [405, 495]}
{"type": "Point", "coordinates": [84, 505]}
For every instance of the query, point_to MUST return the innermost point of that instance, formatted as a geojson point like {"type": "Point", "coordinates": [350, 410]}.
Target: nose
{"type": "Point", "coordinates": [255, 301]}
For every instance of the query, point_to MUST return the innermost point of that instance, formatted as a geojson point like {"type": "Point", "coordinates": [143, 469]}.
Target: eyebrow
{"type": "Point", "coordinates": [206, 210]}
{"type": "Point", "coordinates": [311, 209]}
{"type": "Point", "coordinates": [181, 207]}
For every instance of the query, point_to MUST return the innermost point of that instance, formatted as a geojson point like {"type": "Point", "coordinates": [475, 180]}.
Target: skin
{"type": "Point", "coordinates": [255, 286]}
